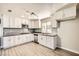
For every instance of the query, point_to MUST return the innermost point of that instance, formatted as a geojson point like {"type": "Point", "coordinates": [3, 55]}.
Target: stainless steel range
{"type": "Point", "coordinates": [35, 37]}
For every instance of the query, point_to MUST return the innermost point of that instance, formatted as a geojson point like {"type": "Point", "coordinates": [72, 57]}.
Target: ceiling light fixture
{"type": "Point", "coordinates": [9, 10]}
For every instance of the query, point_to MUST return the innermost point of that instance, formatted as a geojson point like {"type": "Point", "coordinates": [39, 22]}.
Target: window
{"type": "Point", "coordinates": [46, 27]}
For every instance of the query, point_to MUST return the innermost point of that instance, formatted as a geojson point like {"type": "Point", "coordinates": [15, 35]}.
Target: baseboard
{"type": "Point", "coordinates": [70, 51]}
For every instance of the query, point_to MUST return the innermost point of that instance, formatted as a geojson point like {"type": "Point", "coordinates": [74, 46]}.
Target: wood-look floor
{"type": "Point", "coordinates": [32, 49]}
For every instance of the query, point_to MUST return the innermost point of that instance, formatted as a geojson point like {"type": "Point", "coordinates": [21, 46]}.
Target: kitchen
{"type": "Point", "coordinates": [41, 29]}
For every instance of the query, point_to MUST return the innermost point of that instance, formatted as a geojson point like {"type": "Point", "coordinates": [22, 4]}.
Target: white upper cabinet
{"type": "Point", "coordinates": [49, 29]}
{"type": "Point", "coordinates": [70, 12]}
{"type": "Point", "coordinates": [26, 21]}
{"type": "Point", "coordinates": [58, 15]}
{"type": "Point", "coordinates": [53, 22]}
{"type": "Point", "coordinates": [57, 6]}
{"type": "Point", "coordinates": [36, 24]}
{"type": "Point", "coordinates": [5, 21]}
{"type": "Point", "coordinates": [18, 23]}
{"type": "Point", "coordinates": [33, 24]}
{"type": "Point", "coordinates": [23, 21]}
{"type": "Point", "coordinates": [44, 28]}
{"type": "Point", "coordinates": [66, 12]}
{"type": "Point", "coordinates": [11, 22]}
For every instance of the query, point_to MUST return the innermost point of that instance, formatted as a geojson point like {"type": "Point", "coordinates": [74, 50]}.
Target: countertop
{"type": "Point", "coordinates": [15, 34]}
{"type": "Point", "coordinates": [48, 34]}
{"type": "Point", "coordinates": [44, 34]}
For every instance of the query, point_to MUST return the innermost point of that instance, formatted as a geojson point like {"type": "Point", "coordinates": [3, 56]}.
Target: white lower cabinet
{"type": "Point", "coordinates": [51, 42]}
{"type": "Point", "coordinates": [31, 37]}
{"type": "Point", "coordinates": [47, 41]}
{"type": "Point", "coordinates": [11, 41]}
{"type": "Point", "coordinates": [15, 40]}
{"type": "Point", "coordinates": [22, 38]}
{"type": "Point", "coordinates": [40, 38]}
{"type": "Point", "coordinates": [44, 40]}
{"type": "Point", "coordinates": [6, 42]}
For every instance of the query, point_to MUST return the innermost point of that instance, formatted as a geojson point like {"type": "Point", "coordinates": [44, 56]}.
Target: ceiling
{"type": "Point", "coordinates": [19, 9]}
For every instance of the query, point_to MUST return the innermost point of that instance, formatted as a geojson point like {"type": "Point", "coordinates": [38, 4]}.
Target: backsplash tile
{"type": "Point", "coordinates": [14, 31]}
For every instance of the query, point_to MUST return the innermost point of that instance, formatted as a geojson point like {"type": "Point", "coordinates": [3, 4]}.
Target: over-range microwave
{"type": "Point", "coordinates": [24, 26]}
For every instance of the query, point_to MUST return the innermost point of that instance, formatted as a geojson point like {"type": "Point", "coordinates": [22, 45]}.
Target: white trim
{"type": "Point", "coordinates": [70, 50]}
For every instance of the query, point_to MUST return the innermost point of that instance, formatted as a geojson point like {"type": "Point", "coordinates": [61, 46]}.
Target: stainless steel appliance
{"type": "Point", "coordinates": [36, 38]}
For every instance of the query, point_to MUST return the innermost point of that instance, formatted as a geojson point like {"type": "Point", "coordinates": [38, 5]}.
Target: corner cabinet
{"type": "Point", "coordinates": [47, 41]}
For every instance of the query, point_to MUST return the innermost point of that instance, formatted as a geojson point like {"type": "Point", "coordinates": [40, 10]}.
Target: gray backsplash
{"type": "Point", "coordinates": [14, 31]}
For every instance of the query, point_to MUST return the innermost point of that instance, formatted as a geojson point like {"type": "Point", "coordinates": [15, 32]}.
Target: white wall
{"type": "Point", "coordinates": [69, 35]}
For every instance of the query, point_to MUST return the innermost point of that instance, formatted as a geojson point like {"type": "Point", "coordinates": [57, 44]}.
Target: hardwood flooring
{"type": "Point", "coordinates": [32, 49]}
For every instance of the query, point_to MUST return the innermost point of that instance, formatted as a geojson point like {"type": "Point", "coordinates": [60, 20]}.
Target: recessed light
{"type": "Point", "coordinates": [22, 16]}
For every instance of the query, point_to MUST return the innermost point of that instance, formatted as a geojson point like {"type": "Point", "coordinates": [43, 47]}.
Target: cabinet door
{"type": "Point", "coordinates": [26, 21]}
{"type": "Point", "coordinates": [23, 21]}
{"type": "Point", "coordinates": [48, 42]}
{"type": "Point", "coordinates": [36, 24]}
{"type": "Point", "coordinates": [44, 40]}
{"type": "Point", "coordinates": [48, 27]}
{"type": "Point", "coordinates": [18, 39]}
{"type": "Point", "coordinates": [12, 22]}
{"type": "Point", "coordinates": [17, 23]}
{"type": "Point", "coordinates": [39, 38]}
{"type": "Point", "coordinates": [58, 15]}
{"type": "Point", "coordinates": [5, 21]}
{"type": "Point", "coordinates": [22, 38]}
{"type": "Point", "coordinates": [54, 23]}
{"type": "Point", "coordinates": [15, 40]}
{"type": "Point", "coordinates": [53, 43]}
{"type": "Point", "coordinates": [27, 38]}
{"type": "Point", "coordinates": [44, 27]}
{"type": "Point", "coordinates": [70, 12]}
{"type": "Point", "coordinates": [11, 41]}
{"type": "Point", "coordinates": [6, 42]}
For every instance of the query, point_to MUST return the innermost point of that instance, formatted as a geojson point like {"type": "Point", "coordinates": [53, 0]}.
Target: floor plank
{"type": "Point", "coordinates": [32, 49]}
